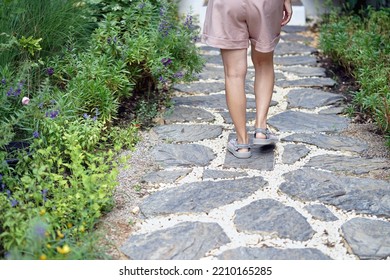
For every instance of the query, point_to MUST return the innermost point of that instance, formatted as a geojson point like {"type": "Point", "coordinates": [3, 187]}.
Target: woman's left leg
{"type": "Point", "coordinates": [235, 66]}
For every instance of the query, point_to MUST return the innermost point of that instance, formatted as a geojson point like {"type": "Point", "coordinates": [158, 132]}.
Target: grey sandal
{"type": "Point", "coordinates": [269, 139]}
{"type": "Point", "coordinates": [234, 148]}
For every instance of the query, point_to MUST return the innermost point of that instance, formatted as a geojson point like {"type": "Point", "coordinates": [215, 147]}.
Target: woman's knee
{"type": "Point", "coordinates": [260, 59]}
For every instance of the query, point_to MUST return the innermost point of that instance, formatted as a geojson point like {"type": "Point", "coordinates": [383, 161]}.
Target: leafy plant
{"type": "Point", "coordinates": [51, 21]}
{"type": "Point", "coordinates": [64, 101]}
{"type": "Point", "coordinates": [362, 45]}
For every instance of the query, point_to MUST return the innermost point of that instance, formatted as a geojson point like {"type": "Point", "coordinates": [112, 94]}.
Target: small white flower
{"type": "Point", "coordinates": [25, 100]}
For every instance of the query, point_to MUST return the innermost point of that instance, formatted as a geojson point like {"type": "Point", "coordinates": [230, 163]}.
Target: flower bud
{"type": "Point", "coordinates": [25, 100]}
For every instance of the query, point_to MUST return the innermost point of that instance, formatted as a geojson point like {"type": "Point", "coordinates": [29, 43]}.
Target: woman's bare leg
{"type": "Point", "coordinates": [235, 66]}
{"type": "Point", "coordinates": [264, 86]}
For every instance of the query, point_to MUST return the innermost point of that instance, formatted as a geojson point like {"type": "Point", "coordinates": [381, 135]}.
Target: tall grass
{"type": "Point", "coordinates": [55, 21]}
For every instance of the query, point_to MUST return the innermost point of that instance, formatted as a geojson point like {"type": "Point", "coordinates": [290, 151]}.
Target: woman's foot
{"type": "Point", "coordinates": [241, 151]}
{"type": "Point", "coordinates": [264, 137]}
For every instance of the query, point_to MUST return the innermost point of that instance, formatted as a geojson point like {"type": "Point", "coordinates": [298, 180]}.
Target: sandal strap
{"type": "Point", "coordinates": [266, 132]}
{"type": "Point", "coordinates": [240, 146]}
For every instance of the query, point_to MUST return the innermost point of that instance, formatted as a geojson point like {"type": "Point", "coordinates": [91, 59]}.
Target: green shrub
{"type": "Point", "coordinates": [358, 5]}
{"type": "Point", "coordinates": [67, 181]}
{"type": "Point", "coordinates": [362, 46]}
{"type": "Point", "coordinates": [64, 180]}
{"type": "Point", "coordinates": [158, 48]}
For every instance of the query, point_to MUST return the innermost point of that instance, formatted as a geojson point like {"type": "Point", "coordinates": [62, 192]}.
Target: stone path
{"type": "Point", "coordinates": [312, 196]}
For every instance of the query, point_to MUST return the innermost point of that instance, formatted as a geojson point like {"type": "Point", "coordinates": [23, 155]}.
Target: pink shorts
{"type": "Point", "coordinates": [231, 24]}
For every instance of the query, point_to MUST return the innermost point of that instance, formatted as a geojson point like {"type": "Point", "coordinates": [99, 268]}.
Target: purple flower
{"type": "Point", "coordinates": [10, 91]}
{"type": "Point", "coordinates": [8, 192]}
{"type": "Point", "coordinates": [14, 202]}
{"type": "Point", "coordinates": [188, 22]}
{"type": "Point", "coordinates": [17, 91]}
{"type": "Point", "coordinates": [162, 80]}
{"type": "Point", "coordinates": [3, 81]}
{"type": "Point", "coordinates": [50, 71]}
{"type": "Point", "coordinates": [164, 28]}
{"type": "Point", "coordinates": [44, 194]}
{"type": "Point", "coordinates": [166, 61]}
{"type": "Point", "coordinates": [109, 40]}
{"type": "Point", "coordinates": [36, 134]}
{"type": "Point", "coordinates": [40, 106]}
{"type": "Point", "coordinates": [2, 187]}
{"type": "Point", "coordinates": [178, 75]}
{"type": "Point", "coordinates": [52, 114]}
{"type": "Point", "coordinates": [141, 6]}
{"type": "Point", "coordinates": [1, 177]}
{"type": "Point", "coordinates": [40, 230]}
{"type": "Point", "coordinates": [86, 116]}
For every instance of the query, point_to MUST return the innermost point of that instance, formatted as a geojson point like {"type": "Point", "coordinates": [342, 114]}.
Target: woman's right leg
{"type": "Point", "coordinates": [264, 86]}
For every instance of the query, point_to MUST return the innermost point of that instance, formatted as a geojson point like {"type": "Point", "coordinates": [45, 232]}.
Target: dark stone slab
{"type": "Point", "coordinates": [249, 87]}
{"type": "Point", "coordinates": [312, 98]}
{"type": "Point", "coordinates": [292, 153]}
{"type": "Point", "coordinates": [187, 114]}
{"type": "Point", "coordinates": [209, 49]}
{"type": "Point", "coordinates": [279, 76]}
{"type": "Point", "coordinates": [199, 196]}
{"type": "Point", "coordinates": [292, 37]}
{"type": "Point", "coordinates": [214, 73]}
{"type": "Point", "coordinates": [286, 48]}
{"type": "Point", "coordinates": [222, 174]}
{"type": "Point", "coordinates": [213, 59]}
{"type": "Point", "coordinates": [263, 158]}
{"type": "Point", "coordinates": [184, 155]}
{"type": "Point", "coordinates": [334, 110]}
{"type": "Point", "coordinates": [296, 60]}
{"type": "Point", "coordinates": [228, 119]}
{"type": "Point", "coordinates": [214, 101]}
{"type": "Point", "coordinates": [245, 253]}
{"type": "Point", "coordinates": [250, 74]}
{"type": "Point", "coordinates": [306, 82]}
{"type": "Point", "coordinates": [330, 142]}
{"type": "Point", "coordinates": [249, 115]}
{"type": "Point", "coordinates": [294, 28]}
{"type": "Point", "coordinates": [165, 176]}
{"type": "Point", "coordinates": [185, 241]}
{"type": "Point", "coordinates": [362, 195]}
{"type": "Point", "coordinates": [200, 87]}
{"type": "Point", "coordinates": [306, 122]}
{"type": "Point", "coordinates": [187, 133]}
{"type": "Point", "coordinates": [348, 164]}
{"type": "Point", "coordinates": [320, 212]}
{"type": "Point", "coordinates": [304, 71]}
{"type": "Point", "coordinates": [268, 216]}
{"type": "Point", "coordinates": [368, 239]}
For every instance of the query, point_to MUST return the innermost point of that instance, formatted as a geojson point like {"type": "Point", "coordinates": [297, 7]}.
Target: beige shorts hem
{"type": "Point", "coordinates": [265, 48]}
{"type": "Point", "coordinates": [224, 43]}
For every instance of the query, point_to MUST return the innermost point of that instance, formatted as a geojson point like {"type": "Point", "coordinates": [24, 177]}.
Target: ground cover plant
{"type": "Point", "coordinates": [64, 108]}
{"type": "Point", "coordinates": [361, 44]}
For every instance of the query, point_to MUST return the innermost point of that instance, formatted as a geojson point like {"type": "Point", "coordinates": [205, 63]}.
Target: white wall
{"type": "Point", "coordinates": [315, 8]}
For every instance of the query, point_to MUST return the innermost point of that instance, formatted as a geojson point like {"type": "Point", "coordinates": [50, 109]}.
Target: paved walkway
{"type": "Point", "coordinates": [312, 196]}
